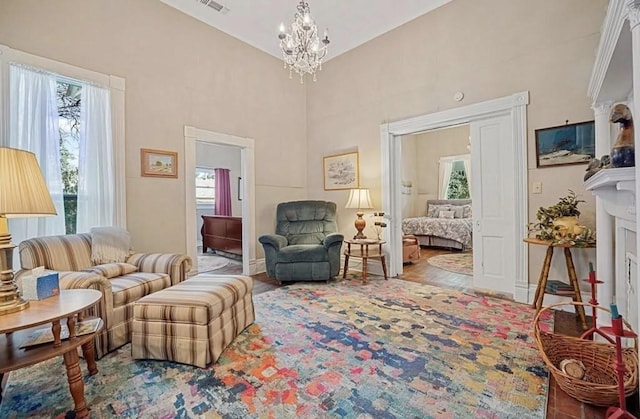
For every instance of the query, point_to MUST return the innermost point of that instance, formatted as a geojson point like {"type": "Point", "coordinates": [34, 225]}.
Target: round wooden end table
{"type": "Point", "coordinates": [365, 249]}
{"type": "Point", "coordinates": [17, 327]}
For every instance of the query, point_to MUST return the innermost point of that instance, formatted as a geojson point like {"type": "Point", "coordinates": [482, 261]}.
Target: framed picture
{"type": "Point", "coordinates": [565, 144]}
{"type": "Point", "coordinates": [158, 163]}
{"type": "Point", "coordinates": [341, 171]}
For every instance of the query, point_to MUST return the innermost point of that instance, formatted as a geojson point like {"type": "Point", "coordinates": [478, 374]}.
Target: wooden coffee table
{"type": "Point", "coordinates": [17, 327]}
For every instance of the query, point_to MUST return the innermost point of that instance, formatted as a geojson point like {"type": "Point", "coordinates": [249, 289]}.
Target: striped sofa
{"type": "Point", "coordinates": [121, 284]}
{"type": "Point", "coordinates": [194, 321]}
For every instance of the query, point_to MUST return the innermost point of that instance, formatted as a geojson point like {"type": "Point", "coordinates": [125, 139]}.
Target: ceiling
{"type": "Point", "coordinates": [350, 22]}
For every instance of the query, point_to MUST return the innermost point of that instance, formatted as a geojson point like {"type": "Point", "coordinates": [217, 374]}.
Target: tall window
{"type": "Point", "coordinates": [205, 187]}
{"type": "Point", "coordinates": [67, 124]}
{"type": "Point", "coordinates": [69, 98]}
{"type": "Point", "coordinates": [454, 177]}
{"type": "Point", "coordinates": [458, 187]}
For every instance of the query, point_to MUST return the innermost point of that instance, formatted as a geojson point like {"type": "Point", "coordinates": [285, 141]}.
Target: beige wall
{"type": "Point", "coordinates": [486, 50]}
{"type": "Point", "coordinates": [178, 72]}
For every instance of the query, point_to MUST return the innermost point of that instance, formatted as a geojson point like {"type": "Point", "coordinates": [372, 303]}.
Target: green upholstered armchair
{"type": "Point", "coordinates": [306, 246]}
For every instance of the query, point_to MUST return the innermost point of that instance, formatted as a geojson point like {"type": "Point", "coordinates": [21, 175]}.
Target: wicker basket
{"type": "Point", "coordinates": [599, 385]}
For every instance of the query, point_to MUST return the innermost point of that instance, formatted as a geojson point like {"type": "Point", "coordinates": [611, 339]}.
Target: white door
{"type": "Point", "coordinates": [494, 234]}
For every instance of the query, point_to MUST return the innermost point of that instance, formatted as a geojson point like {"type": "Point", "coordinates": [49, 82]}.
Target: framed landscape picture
{"type": "Point", "coordinates": [158, 163]}
{"type": "Point", "coordinates": [565, 144]}
{"type": "Point", "coordinates": [341, 171]}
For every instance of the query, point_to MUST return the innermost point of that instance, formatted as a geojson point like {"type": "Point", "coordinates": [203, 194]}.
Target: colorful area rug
{"type": "Point", "coordinates": [341, 349]}
{"type": "Point", "coordinates": [460, 263]}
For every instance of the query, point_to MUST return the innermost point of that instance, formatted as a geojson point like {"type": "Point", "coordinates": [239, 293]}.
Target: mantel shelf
{"type": "Point", "coordinates": [616, 178]}
{"type": "Point", "coordinates": [617, 188]}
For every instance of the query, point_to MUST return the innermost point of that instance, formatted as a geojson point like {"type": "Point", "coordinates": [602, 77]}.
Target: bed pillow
{"type": "Point", "coordinates": [433, 210]}
{"type": "Point", "coordinates": [446, 214]}
{"type": "Point", "coordinates": [466, 211]}
{"type": "Point", "coordinates": [458, 211]}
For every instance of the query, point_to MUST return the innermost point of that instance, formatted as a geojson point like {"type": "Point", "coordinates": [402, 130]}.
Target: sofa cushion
{"type": "Point", "coordinates": [302, 253]}
{"type": "Point", "coordinates": [131, 287]}
{"type": "Point", "coordinates": [112, 270]}
{"type": "Point", "coordinates": [59, 253]}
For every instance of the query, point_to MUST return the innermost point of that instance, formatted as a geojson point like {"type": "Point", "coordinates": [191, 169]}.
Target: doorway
{"type": "Point", "coordinates": [498, 134]}
{"type": "Point", "coordinates": [218, 208]}
{"type": "Point", "coordinates": [436, 172]}
{"type": "Point", "coordinates": [245, 190]}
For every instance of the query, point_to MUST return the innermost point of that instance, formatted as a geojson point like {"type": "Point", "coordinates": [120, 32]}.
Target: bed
{"type": "Point", "coordinates": [448, 223]}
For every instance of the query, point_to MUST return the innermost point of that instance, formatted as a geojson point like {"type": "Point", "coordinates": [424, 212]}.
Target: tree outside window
{"type": "Point", "coordinates": [68, 95]}
{"type": "Point", "coordinates": [458, 185]}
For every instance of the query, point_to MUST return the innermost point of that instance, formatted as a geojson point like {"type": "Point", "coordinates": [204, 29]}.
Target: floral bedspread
{"type": "Point", "coordinates": [458, 229]}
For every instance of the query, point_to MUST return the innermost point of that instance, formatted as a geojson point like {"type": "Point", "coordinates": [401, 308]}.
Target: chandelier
{"type": "Point", "coordinates": [302, 49]}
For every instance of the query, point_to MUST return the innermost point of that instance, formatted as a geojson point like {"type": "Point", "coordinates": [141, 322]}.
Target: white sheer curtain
{"type": "Point", "coordinates": [467, 170]}
{"type": "Point", "coordinates": [33, 126]}
{"type": "Point", "coordinates": [96, 169]}
{"type": "Point", "coordinates": [444, 176]}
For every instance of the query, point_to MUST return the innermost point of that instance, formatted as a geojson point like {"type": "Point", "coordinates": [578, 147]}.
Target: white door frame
{"type": "Point", "coordinates": [247, 170]}
{"type": "Point", "coordinates": [391, 154]}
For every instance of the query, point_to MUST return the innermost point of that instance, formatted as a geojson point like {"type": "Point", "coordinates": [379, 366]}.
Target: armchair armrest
{"type": "Point", "coordinates": [274, 240]}
{"type": "Point", "coordinates": [84, 280]}
{"type": "Point", "coordinates": [332, 239]}
{"type": "Point", "coordinates": [176, 265]}
{"type": "Point", "coordinates": [272, 244]}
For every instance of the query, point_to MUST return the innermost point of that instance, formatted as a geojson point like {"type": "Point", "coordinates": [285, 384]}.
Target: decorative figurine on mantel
{"type": "Point", "coordinates": [622, 153]}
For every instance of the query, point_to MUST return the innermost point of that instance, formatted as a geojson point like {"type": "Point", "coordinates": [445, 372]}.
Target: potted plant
{"type": "Point", "coordinates": [559, 223]}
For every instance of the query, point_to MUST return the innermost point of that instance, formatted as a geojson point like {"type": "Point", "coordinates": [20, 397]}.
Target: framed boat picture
{"type": "Point", "coordinates": [565, 144]}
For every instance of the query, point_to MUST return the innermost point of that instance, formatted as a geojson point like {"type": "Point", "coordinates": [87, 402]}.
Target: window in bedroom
{"type": "Point", "coordinates": [205, 187]}
{"type": "Point", "coordinates": [458, 187]}
{"type": "Point", "coordinates": [454, 177]}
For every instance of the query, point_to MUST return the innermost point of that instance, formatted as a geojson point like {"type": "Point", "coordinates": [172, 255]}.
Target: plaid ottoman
{"type": "Point", "coordinates": [193, 321]}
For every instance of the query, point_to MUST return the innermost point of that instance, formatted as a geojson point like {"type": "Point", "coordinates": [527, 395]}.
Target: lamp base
{"type": "Point", "coordinates": [360, 224]}
{"type": "Point", "coordinates": [10, 299]}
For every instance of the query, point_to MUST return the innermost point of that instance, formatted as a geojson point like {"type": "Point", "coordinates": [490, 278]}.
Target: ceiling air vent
{"type": "Point", "coordinates": [215, 6]}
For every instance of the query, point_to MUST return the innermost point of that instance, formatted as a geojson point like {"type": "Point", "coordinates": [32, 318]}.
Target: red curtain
{"type": "Point", "coordinates": [223, 192]}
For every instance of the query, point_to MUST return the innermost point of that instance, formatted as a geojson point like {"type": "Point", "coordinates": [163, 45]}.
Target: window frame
{"type": "Point", "coordinates": [207, 203]}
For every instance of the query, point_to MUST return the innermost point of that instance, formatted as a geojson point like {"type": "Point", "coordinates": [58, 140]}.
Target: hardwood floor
{"type": "Point", "coordinates": [559, 404]}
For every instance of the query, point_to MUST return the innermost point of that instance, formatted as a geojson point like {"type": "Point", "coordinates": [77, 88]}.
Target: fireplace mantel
{"type": "Point", "coordinates": [617, 188]}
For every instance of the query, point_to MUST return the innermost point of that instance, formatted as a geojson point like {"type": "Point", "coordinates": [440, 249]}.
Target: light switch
{"type": "Point", "coordinates": [537, 187]}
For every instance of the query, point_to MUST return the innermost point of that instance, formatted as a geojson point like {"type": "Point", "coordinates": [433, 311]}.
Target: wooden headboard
{"type": "Point", "coordinates": [448, 201]}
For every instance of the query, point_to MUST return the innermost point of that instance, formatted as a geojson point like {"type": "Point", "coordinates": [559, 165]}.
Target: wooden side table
{"type": "Point", "coordinates": [17, 327]}
{"type": "Point", "coordinates": [361, 249]}
{"type": "Point", "coordinates": [544, 275]}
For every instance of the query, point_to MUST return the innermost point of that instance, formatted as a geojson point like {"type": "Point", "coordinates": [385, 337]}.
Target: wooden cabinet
{"type": "Point", "coordinates": [222, 233]}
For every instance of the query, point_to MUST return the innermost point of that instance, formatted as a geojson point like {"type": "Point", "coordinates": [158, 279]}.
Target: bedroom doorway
{"type": "Point", "coordinates": [245, 190]}
{"type": "Point", "coordinates": [436, 172]}
{"type": "Point", "coordinates": [218, 208]}
{"type": "Point", "coordinates": [498, 139]}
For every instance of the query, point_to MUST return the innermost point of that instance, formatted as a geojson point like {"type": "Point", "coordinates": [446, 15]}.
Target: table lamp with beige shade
{"type": "Point", "coordinates": [360, 199]}
{"type": "Point", "coordinates": [23, 193]}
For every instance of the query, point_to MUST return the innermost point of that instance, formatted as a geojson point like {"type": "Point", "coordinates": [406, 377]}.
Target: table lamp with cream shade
{"type": "Point", "coordinates": [23, 193]}
{"type": "Point", "coordinates": [360, 199]}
